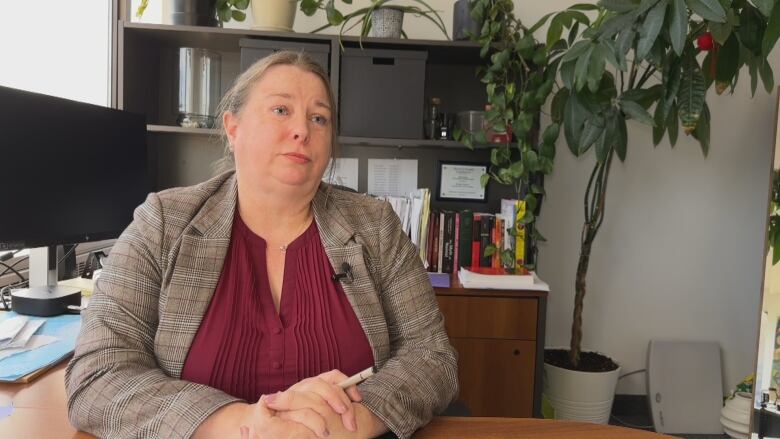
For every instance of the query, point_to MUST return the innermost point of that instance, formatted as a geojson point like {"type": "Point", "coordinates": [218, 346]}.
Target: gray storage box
{"type": "Point", "coordinates": [253, 49]}
{"type": "Point", "coordinates": [382, 93]}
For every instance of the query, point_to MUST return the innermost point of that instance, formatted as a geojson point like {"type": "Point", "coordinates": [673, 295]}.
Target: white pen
{"type": "Point", "coordinates": [358, 377]}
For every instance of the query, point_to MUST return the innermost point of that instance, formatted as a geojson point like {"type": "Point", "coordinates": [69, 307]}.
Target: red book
{"type": "Point", "coordinates": [475, 239]}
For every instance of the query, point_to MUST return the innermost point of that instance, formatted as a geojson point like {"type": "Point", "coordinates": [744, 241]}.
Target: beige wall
{"type": "Point", "coordinates": [680, 253]}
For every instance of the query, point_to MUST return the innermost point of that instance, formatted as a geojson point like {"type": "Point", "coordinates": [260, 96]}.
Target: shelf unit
{"type": "Point", "coordinates": [145, 69]}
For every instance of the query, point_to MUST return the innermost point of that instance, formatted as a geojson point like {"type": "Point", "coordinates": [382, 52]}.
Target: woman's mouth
{"type": "Point", "coordinates": [297, 158]}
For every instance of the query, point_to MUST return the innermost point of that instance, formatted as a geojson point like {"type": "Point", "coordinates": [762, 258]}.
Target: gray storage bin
{"type": "Point", "coordinates": [382, 93]}
{"type": "Point", "coordinates": [253, 49]}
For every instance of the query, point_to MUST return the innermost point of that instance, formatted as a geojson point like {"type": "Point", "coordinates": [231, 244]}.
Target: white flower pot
{"type": "Point", "coordinates": [735, 415]}
{"type": "Point", "coordinates": [273, 15]}
{"type": "Point", "coordinates": [580, 396]}
{"type": "Point", "coordinates": [386, 23]}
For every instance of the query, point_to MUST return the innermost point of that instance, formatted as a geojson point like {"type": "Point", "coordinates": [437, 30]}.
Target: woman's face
{"type": "Point", "coordinates": [283, 134]}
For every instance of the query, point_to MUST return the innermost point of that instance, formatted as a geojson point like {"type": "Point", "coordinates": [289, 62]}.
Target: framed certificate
{"type": "Point", "coordinates": [460, 181]}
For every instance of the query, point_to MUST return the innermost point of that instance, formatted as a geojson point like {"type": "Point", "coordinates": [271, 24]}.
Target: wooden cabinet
{"type": "Point", "coordinates": [499, 336]}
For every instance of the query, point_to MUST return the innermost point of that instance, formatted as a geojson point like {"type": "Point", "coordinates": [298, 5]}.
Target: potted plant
{"type": "Point", "coordinates": [651, 61]}
{"type": "Point", "coordinates": [379, 19]}
{"type": "Point", "coordinates": [203, 12]}
{"type": "Point", "coordinates": [519, 79]}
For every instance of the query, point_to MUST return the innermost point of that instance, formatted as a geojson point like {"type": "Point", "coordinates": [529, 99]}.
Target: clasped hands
{"type": "Point", "coordinates": [312, 408]}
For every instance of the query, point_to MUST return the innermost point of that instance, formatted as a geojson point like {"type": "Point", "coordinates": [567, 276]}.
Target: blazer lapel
{"type": "Point", "coordinates": [197, 266]}
{"type": "Point", "coordinates": [338, 239]}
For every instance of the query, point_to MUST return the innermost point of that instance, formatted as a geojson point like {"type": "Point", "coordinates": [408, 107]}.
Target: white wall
{"type": "Point", "coordinates": [680, 253]}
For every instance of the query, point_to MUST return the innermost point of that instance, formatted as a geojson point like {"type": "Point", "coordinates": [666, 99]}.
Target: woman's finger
{"type": "Point", "coordinates": [290, 400]}
{"type": "Point", "coordinates": [333, 395]}
{"type": "Point", "coordinates": [308, 418]}
{"type": "Point", "coordinates": [335, 376]}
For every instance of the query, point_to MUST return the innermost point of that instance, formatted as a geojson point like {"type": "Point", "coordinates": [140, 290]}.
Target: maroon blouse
{"type": "Point", "coordinates": [244, 348]}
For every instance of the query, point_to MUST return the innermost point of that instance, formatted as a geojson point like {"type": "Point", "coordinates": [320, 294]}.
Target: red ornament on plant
{"type": "Point", "coordinates": [705, 42]}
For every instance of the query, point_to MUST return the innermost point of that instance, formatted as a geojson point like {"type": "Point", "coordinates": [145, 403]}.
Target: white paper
{"type": "Point", "coordinates": [345, 173]}
{"type": "Point", "coordinates": [24, 335]}
{"type": "Point", "coordinates": [392, 177]}
{"type": "Point", "coordinates": [9, 328]}
{"type": "Point", "coordinates": [35, 342]}
{"type": "Point", "coordinates": [462, 181]}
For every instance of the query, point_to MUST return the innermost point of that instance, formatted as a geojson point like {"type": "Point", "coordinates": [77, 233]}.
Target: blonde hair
{"type": "Point", "coordinates": [236, 97]}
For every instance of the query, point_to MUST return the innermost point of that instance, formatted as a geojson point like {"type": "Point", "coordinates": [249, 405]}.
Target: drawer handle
{"type": "Point", "coordinates": [383, 61]}
{"type": "Point", "coordinates": [516, 352]}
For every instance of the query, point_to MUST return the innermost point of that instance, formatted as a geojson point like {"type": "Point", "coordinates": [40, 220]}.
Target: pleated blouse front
{"type": "Point", "coordinates": [246, 349]}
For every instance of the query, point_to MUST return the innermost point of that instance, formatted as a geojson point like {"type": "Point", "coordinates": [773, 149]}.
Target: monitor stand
{"type": "Point", "coordinates": [44, 297]}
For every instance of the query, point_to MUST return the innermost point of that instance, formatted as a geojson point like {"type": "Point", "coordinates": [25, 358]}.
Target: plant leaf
{"type": "Point", "coordinates": [559, 104]}
{"type": "Point", "coordinates": [672, 125]}
{"type": "Point", "coordinates": [650, 29]}
{"type": "Point", "coordinates": [690, 98]}
{"type": "Point", "coordinates": [708, 9]}
{"type": "Point", "coordinates": [576, 51]}
{"type": "Point", "coordinates": [581, 68]}
{"type": "Point", "coordinates": [728, 60]}
{"type": "Point", "coordinates": [772, 32]}
{"type": "Point", "coordinates": [309, 7]}
{"type": "Point", "coordinates": [660, 124]}
{"type": "Point", "coordinates": [540, 23]}
{"type": "Point", "coordinates": [621, 139]}
{"type": "Point", "coordinates": [678, 27]}
{"type": "Point", "coordinates": [702, 131]}
{"type": "Point", "coordinates": [619, 6]}
{"type": "Point", "coordinates": [238, 15]}
{"type": "Point", "coordinates": [574, 119]}
{"type": "Point", "coordinates": [765, 6]}
{"type": "Point", "coordinates": [591, 132]}
{"type": "Point", "coordinates": [636, 111]}
{"type": "Point", "coordinates": [767, 76]}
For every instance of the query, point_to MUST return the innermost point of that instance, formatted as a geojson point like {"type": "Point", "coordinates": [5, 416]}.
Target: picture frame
{"type": "Point", "coordinates": [460, 181]}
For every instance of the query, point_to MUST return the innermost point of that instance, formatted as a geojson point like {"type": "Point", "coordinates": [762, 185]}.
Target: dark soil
{"type": "Point", "coordinates": [589, 361]}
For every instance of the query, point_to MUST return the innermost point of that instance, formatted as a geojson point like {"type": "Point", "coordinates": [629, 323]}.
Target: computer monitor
{"type": "Point", "coordinates": [71, 172]}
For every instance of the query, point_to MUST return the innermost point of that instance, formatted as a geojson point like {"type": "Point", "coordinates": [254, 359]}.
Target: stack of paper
{"type": "Point", "coordinates": [16, 336]}
{"type": "Point", "coordinates": [49, 340]}
{"type": "Point", "coordinates": [472, 279]}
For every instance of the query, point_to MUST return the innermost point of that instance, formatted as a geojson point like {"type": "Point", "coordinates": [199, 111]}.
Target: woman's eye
{"type": "Point", "coordinates": [322, 120]}
{"type": "Point", "coordinates": [280, 111]}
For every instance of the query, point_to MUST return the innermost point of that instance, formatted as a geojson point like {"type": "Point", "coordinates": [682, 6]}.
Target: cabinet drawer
{"type": "Point", "coordinates": [489, 317]}
{"type": "Point", "coordinates": [496, 376]}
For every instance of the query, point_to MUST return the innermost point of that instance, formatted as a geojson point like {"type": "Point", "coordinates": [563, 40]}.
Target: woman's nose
{"type": "Point", "coordinates": [300, 128]}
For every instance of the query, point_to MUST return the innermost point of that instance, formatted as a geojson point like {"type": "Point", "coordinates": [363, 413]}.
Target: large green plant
{"type": "Point", "coordinates": [518, 78]}
{"type": "Point", "coordinates": [647, 60]}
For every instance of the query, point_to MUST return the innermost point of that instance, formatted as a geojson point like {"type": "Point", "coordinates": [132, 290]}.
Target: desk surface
{"type": "Point", "coordinates": [44, 400]}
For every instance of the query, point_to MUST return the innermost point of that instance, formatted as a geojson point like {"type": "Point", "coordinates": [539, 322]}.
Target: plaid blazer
{"type": "Point", "coordinates": [124, 379]}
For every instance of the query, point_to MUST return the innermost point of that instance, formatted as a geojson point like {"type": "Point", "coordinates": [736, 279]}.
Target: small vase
{"type": "Point", "coordinates": [194, 12]}
{"type": "Point", "coordinates": [387, 23]}
{"type": "Point", "coordinates": [273, 15]}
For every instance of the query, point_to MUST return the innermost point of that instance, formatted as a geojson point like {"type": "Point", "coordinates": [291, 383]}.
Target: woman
{"type": "Point", "coordinates": [223, 292]}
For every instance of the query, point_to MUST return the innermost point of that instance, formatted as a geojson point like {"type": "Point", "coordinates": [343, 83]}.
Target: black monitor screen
{"type": "Point", "coordinates": [69, 171]}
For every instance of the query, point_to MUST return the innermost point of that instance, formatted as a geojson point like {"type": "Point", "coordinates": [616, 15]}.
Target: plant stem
{"type": "Point", "coordinates": [589, 230]}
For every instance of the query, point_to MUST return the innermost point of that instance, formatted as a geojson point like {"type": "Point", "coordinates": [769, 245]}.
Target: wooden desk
{"type": "Point", "coordinates": [40, 411]}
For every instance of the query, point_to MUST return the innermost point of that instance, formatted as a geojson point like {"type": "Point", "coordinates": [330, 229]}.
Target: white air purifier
{"type": "Point", "coordinates": [685, 386]}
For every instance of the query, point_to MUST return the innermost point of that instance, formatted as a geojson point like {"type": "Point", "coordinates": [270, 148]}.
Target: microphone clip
{"type": "Point", "coordinates": [346, 273]}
